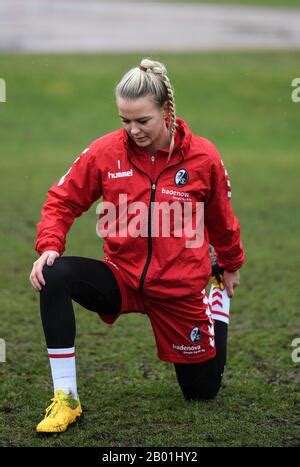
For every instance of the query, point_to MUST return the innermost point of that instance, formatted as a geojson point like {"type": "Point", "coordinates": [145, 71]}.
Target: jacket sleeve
{"type": "Point", "coordinates": [222, 225]}
{"type": "Point", "coordinates": [66, 200]}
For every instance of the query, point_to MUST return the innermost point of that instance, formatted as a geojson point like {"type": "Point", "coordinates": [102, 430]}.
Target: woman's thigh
{"type": "Point", "coordinates": [90, 282]}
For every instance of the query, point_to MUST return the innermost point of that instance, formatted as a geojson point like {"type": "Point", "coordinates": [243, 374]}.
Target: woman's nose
{"type": "Point", "coordinates": [134, 129]}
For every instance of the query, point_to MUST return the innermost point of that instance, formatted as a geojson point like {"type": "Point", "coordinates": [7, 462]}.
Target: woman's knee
{"type": "Point", "coordinates": [56, 274]}
{"type": "Point", "coordinates": [200, 381]}
{"type": "Point", "coordinates": [206, 390]}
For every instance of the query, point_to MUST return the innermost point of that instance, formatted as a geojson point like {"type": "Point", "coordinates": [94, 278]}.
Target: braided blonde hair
{"type": "Point", "coordinates": [150, 78]}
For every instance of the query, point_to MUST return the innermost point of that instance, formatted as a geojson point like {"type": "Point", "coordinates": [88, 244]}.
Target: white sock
{"type": "Point", "coordinates": [219, 304]}
{"type": "Point", "coordinates": [63, 369]}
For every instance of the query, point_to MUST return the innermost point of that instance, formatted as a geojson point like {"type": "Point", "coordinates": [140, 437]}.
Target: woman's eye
{"type": "Point", "coordinates": [126, 122]}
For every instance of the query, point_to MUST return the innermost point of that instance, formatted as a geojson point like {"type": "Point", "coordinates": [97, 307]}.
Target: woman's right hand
{"type": "Point", "coordinates": [36, 276]}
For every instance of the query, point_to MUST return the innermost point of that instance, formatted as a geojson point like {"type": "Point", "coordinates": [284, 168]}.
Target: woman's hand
{"type": "Point", "coordinates": [36, 276]}
{"type": "Point", "coordinates": [232, 280]}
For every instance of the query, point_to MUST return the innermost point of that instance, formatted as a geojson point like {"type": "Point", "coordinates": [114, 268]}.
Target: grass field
{"type": "Point", "coordinates": [262, 3]}
{"type": "Point", "coordinates": [241, 101]}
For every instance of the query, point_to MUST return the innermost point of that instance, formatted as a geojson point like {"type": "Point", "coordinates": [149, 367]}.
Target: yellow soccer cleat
{"type": "Point", "coordinates": [63, 411]}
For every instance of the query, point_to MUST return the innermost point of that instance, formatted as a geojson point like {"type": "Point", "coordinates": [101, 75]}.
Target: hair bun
{"type": "Point", "coordinates": [150, 66]}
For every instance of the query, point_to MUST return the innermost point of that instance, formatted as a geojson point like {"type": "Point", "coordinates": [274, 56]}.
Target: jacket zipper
{"type": "Point", "coordinates": [152, 165]}
{"type": "Point", "coordinates": [149, 255]}
{"type": "Point", "coordinates": [152, 197]}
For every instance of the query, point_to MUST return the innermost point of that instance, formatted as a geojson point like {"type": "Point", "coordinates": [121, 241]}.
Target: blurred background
{"type": "Point", "coordinates": [102, 26]}
{"type": "Point", "coordinates": [234, 66]}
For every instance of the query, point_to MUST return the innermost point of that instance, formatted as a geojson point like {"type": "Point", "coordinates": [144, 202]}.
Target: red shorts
{"type": "Point", "coordinates": [183, 329]}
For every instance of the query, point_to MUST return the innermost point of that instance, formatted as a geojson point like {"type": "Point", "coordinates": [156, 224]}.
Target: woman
{"type": "Point", "coordinates": [150, 169]}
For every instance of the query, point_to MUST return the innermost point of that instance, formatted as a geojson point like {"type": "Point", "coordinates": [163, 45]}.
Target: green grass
{"type": "Point", "coordinates": [262, 3]}
{"type": "Point", "coordinates": [241, 101]}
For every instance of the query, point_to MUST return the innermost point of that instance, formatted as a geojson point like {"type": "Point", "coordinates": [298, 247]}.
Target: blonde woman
{"type": "Point", "coordinates": [164, 179]}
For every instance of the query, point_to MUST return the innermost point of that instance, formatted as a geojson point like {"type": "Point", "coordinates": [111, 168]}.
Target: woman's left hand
{"type": "Point", "coordinates": [232, 280]}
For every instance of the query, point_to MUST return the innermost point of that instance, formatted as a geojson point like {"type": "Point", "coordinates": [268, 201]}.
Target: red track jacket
{"type": "Point", "coordinates": [156, 265]}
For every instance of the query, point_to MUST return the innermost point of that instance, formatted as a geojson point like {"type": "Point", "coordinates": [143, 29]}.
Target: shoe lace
{"type": "Point", "coordinates": [53, 407]}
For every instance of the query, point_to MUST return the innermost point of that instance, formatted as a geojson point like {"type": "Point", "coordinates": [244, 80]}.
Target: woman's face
{"type": "Point", "coordinates": [144, 122]}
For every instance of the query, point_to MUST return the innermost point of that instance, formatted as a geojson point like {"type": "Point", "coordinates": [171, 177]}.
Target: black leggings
{"type": "Point", "coordinates": [92, 284]}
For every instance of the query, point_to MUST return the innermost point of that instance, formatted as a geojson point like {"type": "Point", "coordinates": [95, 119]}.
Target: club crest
{"type": "Point", "coordinates": [181, 177]}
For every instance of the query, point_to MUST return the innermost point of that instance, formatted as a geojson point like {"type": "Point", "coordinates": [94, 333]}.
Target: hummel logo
{"type": "Point", "coordinates": [128, 173]}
